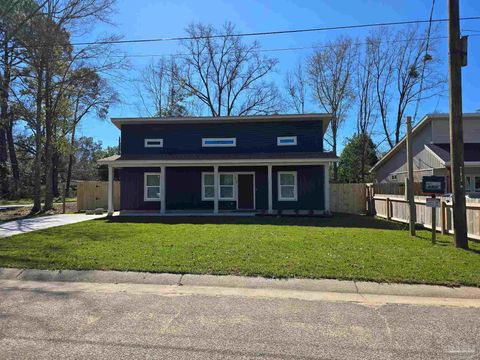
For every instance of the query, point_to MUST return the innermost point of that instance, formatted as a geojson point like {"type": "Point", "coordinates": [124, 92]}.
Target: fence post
{"type": "Point", "coordinates": [389, 215]}
{"type": "Point", "coordinates": [443, 222]}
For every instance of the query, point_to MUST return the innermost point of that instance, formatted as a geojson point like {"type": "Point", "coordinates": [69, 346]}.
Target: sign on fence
{"type": "Point", "coordinates": [433, 185]}
{"type": "Point", "coordinates": [432, 202]}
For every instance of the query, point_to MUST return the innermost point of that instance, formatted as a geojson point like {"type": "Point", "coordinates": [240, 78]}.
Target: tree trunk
{"type": "Point", "coordinates": [70, 163]}
{"type": "Point", "coordinates": [37, 201]}
{"type": "Point", "coordinates": [4, 186]}
{"type": "Point", "coordinates": [13, 157]}
{"type": "Point", "coordinates": [48, 205]}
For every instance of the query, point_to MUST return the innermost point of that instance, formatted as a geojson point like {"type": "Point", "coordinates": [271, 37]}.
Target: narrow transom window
{"type": "Point", "coordinates": [153, 143]}
{"type": "Point", "coordinates": [152, 187]}
{"type": "Point", "coordinates": [286, 140]}
{"type": "Point", "coordinates": [287, 186]}
{"type": "Point", "coordinates": [219, 142]}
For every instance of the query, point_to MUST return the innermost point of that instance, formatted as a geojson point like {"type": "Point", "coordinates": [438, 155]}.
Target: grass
{"type": "Point", "coordinates": [343, 247]}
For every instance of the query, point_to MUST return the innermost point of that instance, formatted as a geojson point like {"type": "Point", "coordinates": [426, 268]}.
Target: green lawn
{"type": "Point", "coordinates": [343, 247]}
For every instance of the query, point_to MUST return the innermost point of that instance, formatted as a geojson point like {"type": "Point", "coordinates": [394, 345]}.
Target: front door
{"type": "Point", "coordinates": [246, 199]}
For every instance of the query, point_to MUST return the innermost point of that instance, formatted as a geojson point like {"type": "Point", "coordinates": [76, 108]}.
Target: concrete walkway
{"type": "Point", "coordinates": [42, 222]}
{"type": "Point", "coordinates": [304, 289]}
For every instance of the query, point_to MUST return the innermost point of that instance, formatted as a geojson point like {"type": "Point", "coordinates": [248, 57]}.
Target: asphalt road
{"type": "Point", "coordinates": [110, 322]}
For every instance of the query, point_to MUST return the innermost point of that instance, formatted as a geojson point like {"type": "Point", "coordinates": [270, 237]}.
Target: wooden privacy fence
{"type": "Point", "coordinates": [394, 188]}
{"type": "Point", "coordinates": [348, 198]}
{"type": "Point", "coordinates": [94, 194]}
{"type": "Point", "coordinates": [395, 207]}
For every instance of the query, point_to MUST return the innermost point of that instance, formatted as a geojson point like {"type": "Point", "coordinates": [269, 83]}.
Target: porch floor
{"type": "Point", "coordinates": [183, 213]}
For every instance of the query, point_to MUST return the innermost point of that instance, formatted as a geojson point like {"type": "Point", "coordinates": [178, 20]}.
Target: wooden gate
{"type": "Point", "coordinates": [348, 198]}
{"type": "Point", "coordinates": [94, 194]}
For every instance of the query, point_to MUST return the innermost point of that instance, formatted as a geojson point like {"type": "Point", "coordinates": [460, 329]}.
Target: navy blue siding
{"type": "Point", "coordinates": [251, 137]}
{"type": "Point", "coordinates": [132, 189]}
{"type": "Point", "coordinates": [310, 188]}
{"type": "Point", "coordinates": [183, 188]}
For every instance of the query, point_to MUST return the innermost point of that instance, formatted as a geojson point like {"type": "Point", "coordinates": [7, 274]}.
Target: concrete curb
{"type": "Point", "coordinates": [322, 285]}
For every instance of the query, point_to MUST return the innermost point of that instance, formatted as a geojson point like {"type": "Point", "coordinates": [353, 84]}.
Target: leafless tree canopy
{"type": "Point", "coordinates": [404, 72]}
{"type": "Point", "coordinates": [330, 75]}
{"type": "Point", "coordinates": [160, 92]}
{"type": "Point", "coordinates": [227, 75]}
{"type": "Point", "coordinates": [296, 87]}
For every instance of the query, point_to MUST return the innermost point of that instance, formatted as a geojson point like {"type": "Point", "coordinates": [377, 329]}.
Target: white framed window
{"type": "Point", "coordinates": [473, 183]}
{"type": "Point", "coordinates": [287, 186]}
{"type": "Point", "coordinates": [151, 186]}
{"type": "Point", "coordinates": [286, 140]}
{"type": "Point", "coordinates": [153, 143]}
{"type": "Point", "coordinates": [219, 142]}
{"type": "Point", "coordinates": [226, 186]}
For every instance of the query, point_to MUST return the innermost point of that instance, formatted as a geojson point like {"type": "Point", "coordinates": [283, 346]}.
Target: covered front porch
{"type": "Point", "coordinates": [230, 188]}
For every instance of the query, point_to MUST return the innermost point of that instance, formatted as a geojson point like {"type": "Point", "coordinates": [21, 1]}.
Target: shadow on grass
{"type": "Point", "coordinates": [337, 221]}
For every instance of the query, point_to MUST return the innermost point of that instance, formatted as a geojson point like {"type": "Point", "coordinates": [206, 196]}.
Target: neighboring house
{"type": "Point", "coordinates": [271, 164]}
{"type": "Point", "coordinates": [431, 152]}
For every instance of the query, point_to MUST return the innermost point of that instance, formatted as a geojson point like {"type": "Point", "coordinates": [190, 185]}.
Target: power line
{"type": "Point", "coordinates": [266, 33]}
{"type": "Point", "coordinates": [288, 48]}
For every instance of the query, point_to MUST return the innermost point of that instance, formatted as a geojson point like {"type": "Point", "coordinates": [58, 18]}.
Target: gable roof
{"type": "Point", "coordinates": [471, 152]}
{"type": "Point", "coordinates": [421, 124]}
{"type": "Point", "coordinates": [325, 117]}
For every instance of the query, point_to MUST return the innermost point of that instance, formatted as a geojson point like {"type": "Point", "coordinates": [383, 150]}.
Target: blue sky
{"type": "Point", "coordinates": [154, 18]}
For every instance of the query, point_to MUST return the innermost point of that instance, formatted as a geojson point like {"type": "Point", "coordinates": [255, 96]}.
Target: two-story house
{"type": "Point", "coordinates": [270, 164]}
{"type": "Point", "coordinates": [431, 152]}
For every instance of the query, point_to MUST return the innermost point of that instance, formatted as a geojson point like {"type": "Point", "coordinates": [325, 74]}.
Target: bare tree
{"type": "Point", "coordinates": [160, 91]}
{"type": "Point", "coordinates": [296, 87]}
{"type": "Point", "coordinates": [225, 74]}
{"type": "Point", "coordinates": [330, 75]}
{"type": "Point", "coordinates": [366, 102]}
{"type": "Point", "coordinates": [404, 72]}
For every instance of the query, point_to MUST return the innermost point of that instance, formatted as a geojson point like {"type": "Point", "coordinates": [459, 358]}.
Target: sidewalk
{"type": "Point", "coordinates": [42, 222]}
{"type": "Point", "coordinates": [307, 289]}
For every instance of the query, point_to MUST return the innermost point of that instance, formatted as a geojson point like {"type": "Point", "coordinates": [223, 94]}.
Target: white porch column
{"type": "Point", "coordinates": [326, 180]}
{"type": "Point", "coordinates": [163, 194]}
{"type": "Point", "coordinates": [216, 190]}
{"type": "Point", "coordinates": [270, 190]}
{"type": "Point", "coordinates": [110, 190]}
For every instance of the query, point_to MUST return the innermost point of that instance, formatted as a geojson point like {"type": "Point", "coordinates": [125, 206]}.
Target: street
{"type": "Point", "coordinates": [41, 320]}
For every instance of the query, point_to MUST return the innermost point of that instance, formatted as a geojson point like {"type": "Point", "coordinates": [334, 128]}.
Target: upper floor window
{"type": "Point", "coordinates": [286, 140]}
{"type": "Point", "coordinates": [219, 142]}
{"type": "Point", "coordinates": [153, 143]}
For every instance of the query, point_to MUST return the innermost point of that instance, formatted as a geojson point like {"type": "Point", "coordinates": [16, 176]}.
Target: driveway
{"type": "Point", "coordinates": [47, 320]}
{"type": "Point", "coordinates": [42, 222]}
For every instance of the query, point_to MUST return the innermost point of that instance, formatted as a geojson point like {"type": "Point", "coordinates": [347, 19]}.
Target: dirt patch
{"type": "Point", "coordinates": [24, 212]}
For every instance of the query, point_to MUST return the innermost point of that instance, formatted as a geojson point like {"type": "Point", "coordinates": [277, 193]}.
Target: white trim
{"type": "Point", "coordinates": [145, 192]}
{"type": "Point", "coordinates": [110, 191]}
{"type": "Point", "coordinates": [270, 190]}
{"type": "Point", "coordinates": [326, 185]}
{"type": "Point", "coordinates": [232, 144]}
{"type": "Point", "coordinates": [223, 162]}
{"type": "Point", "coordinates": [233, 186]}
{"type": "Point", "coordinates": [147, 145]}
{"type": "Point", "coordinates": [163, 192]}
{"type": "Point", "coordinates": [254, 188]}
{"type": "Point", "coordinates": [295, 186]}
{"type": "Point", "coordinates": [215, 191]}
{"type": "Point", "coordinates": [280, 138]}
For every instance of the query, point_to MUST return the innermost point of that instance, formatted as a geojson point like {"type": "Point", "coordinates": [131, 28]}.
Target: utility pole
{"type": "Point", "coordinates": [409, 181]}
{"type": "Point", "coordinates": [456, 58]}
